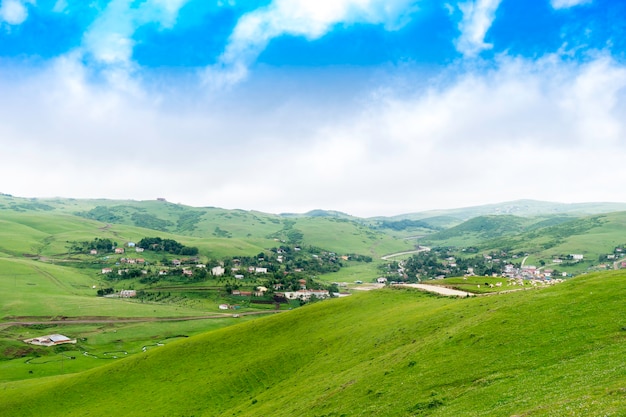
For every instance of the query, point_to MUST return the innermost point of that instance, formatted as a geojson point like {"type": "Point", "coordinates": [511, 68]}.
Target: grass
{"type": "Point", "coordinates": [31, 288]}
{"type": "Point", "coordinates": [103, 343]}
{"type": "Point", "coordinates": [554, 351]}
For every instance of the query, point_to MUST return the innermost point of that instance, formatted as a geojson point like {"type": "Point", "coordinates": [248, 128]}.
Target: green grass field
{"type": "Point", "coordinates": [551, 352]}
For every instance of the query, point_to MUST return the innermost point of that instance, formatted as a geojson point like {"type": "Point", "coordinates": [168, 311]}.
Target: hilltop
{"type": "Point", "coordinates": [389, 353]}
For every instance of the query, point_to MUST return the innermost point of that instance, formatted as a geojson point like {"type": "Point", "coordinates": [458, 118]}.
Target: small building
{"type": "Point", "coordinates": [128, 293]}
{"type": "Point", "coordinates": [577, 256]}
{"type": "Point", "coordinates": [50, 340]}
{"type": "Point", "coordinates": [138, 249]}
{"type": "Point", "coordinates": [381, 280]}
{"type": "Point", "coordinates": [131, 244]}
{"type": "Point", "coordinates": [259, 270]}
{"type": "Point", "coordinates": [217, 271]}
{"type": "Point", "coordinates": [93, 252]}
{"type": "Point", "coordinates": [119, 250]}
{"type": "Point", "coordinates": [176, 262]}
{"type": "Point", "coordinates": [107, 270]}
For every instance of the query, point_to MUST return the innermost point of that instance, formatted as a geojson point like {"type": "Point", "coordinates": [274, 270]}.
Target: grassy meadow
{"type": "Point", "coordinates": [553, 351]}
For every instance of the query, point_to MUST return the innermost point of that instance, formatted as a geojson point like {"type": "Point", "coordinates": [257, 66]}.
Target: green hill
{"type": "Point", "coordinates": [486, 228]}
{"type": "Point", "coordinates": [217, 232]}
{"type": "Point", "coordinates": [548, 352]}
{"type": "Point", "coordinates": [521, 208]}
{"type": "Point", "coordinates": [592, 237]}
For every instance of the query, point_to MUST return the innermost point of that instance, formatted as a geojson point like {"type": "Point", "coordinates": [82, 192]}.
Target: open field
{"type": "Point", "coordinates": [525, 353]}
{"type": "Point", "coordinates": [97, 344]}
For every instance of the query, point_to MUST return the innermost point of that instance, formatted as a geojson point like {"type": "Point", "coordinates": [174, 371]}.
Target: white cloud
{"type": "Point", "coordinates": [478, 17]}
{"type": "Point", "coordinates": [60, 6]}
{"type": "Point", "coordinates": [550, 129]}
{"type": "Point", "coordinates": [566, 4]}
{"type": "Point", "coordinates": [14, 12]}
{"type": "Point", "coordinates": [307, 18]}
{"type": "Point", "coordinates": [109, 39]}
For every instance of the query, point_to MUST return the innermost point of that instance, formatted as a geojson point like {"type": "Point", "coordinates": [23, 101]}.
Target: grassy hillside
{"type": "Point", "coordinates": [522, 208]}
{"type": "Point", "coordinates": [39, 223]}
{"type": "Point", "coordinates": [554, 351]}
{"type": "Point", "coordinates": [590, 236]}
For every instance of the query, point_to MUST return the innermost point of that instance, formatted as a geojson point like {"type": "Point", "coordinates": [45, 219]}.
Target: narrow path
{"type": "Point", "coordinates": [134, 320]}
{"type": "Point", "coordinates": [523, 261]}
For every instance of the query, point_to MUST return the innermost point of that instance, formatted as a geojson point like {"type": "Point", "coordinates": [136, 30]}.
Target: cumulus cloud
{"type": "Point", "coordinates": [305, 18]}
{"type": "Point", "coordinates": [14, 12]}
{"type": "Point", "coordinates": [566, 4]}
{"type": "Point", "coordinates": [477, 18]}
{"type": "Point", "coordinates": [525, 129]}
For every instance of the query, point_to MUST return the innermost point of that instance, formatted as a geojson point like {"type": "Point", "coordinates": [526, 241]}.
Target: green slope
{"type": "Point", "coordinates": [550, 352]}
{"type": "Point", "coordinates": [590, 236]}
{"type": "Point", "coordinates": [522, 208]}
{"type": "Point", "coordinates": [217, 232]}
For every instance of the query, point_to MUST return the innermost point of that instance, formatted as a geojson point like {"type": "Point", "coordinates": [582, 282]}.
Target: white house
{"type": "Point", "coordinates": [217, 271]}
{"type": "Point", "coordinates": [128, 293]}
{"type": "Point", "coordinates": [577, 257]}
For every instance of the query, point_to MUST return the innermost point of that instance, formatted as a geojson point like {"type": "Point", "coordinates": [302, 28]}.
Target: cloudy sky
{"type": "Point", "coordinates": [371, 107]}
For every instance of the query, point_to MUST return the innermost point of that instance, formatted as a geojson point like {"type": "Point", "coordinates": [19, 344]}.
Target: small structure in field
{"type": "Point", "coordinates": [50, 340]}
{"type": "Point", "coordinates": [128, 293]}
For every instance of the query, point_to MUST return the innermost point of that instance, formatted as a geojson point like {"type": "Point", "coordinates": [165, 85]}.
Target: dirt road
{"type": "Point", "coordinates": [79, 320]}
{"type": "Point", "coordinates": [438, 290]}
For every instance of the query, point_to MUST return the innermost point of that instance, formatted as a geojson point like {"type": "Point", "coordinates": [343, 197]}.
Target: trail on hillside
{"type": "Point", "coordinates": [79, 320]}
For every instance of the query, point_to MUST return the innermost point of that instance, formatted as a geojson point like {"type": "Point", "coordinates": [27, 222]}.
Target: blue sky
{"type": "Point", "coordinates": [370, 107]}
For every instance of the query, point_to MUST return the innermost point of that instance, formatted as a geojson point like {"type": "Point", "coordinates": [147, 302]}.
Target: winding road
{"type": "Point", "coordinates": [393, 255]}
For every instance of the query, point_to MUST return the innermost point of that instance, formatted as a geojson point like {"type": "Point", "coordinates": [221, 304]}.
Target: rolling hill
{"type": "Point", "coordinates": [547, 352]}
{"type": "Point", "coordinates": [217, 232]}
{"type": "Point", "coordinates": [524, 208]}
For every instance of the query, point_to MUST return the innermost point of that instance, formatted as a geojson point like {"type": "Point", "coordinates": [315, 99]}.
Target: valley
{"type": "Point", "coordinates": [202, 291]}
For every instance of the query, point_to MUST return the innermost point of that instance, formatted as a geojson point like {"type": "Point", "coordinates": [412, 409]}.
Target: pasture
{"type": "Point", "coordinates": [394, 352]}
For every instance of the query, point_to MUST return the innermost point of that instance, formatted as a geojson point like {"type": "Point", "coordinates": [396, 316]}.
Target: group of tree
{"type": "Point", "coordinates": [104, 245]}
{"type": "Point", "coordinates": [167, 245]}
{"type": "Point", "coordinates": [105, 291]}
{"type": "Point", "coordinates": [425, 265]}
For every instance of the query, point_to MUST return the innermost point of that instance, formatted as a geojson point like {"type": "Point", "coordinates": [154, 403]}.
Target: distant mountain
{"type": "Point", "coordinates": [522, 208]}
{"type": "Point", "coordinates": [321, 213]}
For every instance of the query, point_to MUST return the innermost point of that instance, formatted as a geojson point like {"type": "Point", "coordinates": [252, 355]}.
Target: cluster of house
{"type": "Point", "coordinates": [219, 271]}
{"type": "Point", "coordinates": [302, 294]}
{"type": "Point", "coordinates": [121, 250]}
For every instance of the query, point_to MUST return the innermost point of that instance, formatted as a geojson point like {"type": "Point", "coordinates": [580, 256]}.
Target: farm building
{"type": "Point", "coordinates": [128, 293]}
{"type": "Point", "coordinates": [50, 340]}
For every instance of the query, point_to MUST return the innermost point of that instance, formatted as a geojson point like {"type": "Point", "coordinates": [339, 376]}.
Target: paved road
{"type": "Point", "coordinates": [393, 255]}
